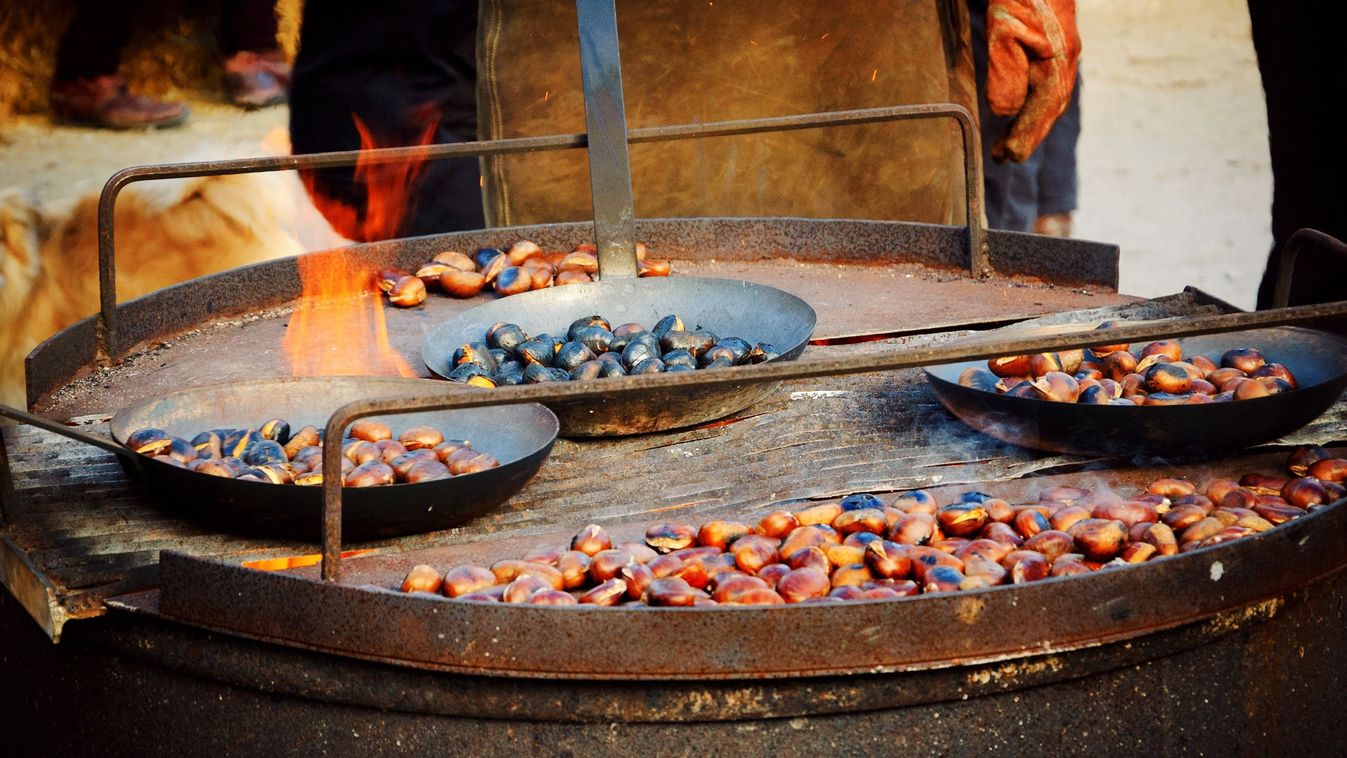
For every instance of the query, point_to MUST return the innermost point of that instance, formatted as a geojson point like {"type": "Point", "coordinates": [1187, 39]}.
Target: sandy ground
{"type": "Point", "coordinates": [1173, 154]}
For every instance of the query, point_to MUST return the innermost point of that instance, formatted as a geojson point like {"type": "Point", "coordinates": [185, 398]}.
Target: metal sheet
{"type": "Point", "coordinates": [730, 642]}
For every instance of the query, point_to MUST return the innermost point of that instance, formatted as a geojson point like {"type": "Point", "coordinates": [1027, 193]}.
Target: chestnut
{"type": "Point", "coordinates": [1098, 539]}
{"type": "Point", "coordinates": [653, 267]}
{"type": "Point", "coordinates": [591, 540]}
{"type": "Point", "coordinates": [1246, 359]}
{"type": "Point", "coordinates": [752, 552]}
{"type": "Point", "coordinates": [1168, 377]}
{"type": "Point", "coordinates": [1328, 470]}
{"type": "Point", "coordinates": [370, 430]}
{"type": "Point", "coordinates": [369, 474]}
{"type": "Point", "coordinates": [1168, 350]}
{"type": "Point", "coordinates": [888, 559]}
{"type": "Point", "coordinates": [513, 280]}
{"type": "Point", "coordinates": [462, 283]}
{"type": "Point", "coordinates": [663, 538]}
{"type": "Point", "coordinates": [1117, 366]}
{"type": "Point", "coordinates": [421, 578]}
{"type": "Point", "coordinates": [407, 291]}
{"type": "Point", "coordinates": [1013, 365]}
{"type": "Point", "coordinates": [461, 580]}
{"type": "Point", "coordinates": [1303, 457]}
{"type": "Point", "coordinates": [961, 519]}
{"type": "Point", "coordinates": [777, 524]}
{"type": "Point", "coordinates": [864, 520]}
{"type": "Point", "coordinates": [809, 556]}
{"type": "Point", "coordinates": [802, 584]}
{"type": "Point", "coordinates": [455, 260]}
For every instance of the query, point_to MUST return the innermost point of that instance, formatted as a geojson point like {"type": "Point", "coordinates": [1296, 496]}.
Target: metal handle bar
{"type": "Point", "coordinates": [988, 346]}
{"type": "Point", "coordinates": [75, 434]}
{"type": "Point", "coordinates": [1301, 239]}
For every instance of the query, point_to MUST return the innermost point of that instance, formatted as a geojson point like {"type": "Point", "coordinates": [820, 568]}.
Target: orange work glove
{"type": "Point", "coordinates": [1032, 51]}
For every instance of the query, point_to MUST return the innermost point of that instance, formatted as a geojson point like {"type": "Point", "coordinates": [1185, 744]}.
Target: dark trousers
{"type": "Point", "coordinates": [92, 45]}
{"type": "Point", "coordinates": [1016, 194]}
{"type": "Point", "coordinates": [1300, 58]}
{"type": "Point", "coordinates": [397, 66]}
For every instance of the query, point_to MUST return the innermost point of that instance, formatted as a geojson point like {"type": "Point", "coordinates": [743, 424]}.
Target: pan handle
{"type": "Point", "coordinates": [75, 434]}
{"type": "Point", "coordinates": [1301, 239]}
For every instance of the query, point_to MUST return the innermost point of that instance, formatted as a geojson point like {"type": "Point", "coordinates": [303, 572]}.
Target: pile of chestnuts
{"type": "Point", "coordinates": [270, 453]}
{"type": "Point", "coordinates": [522, 267]}
{"type": "Point", "coordinates": [595, 349]}
{"type": "Point", "coordinates": [1112, 375]}
{"type": "Point", "coordinates": [862, 548]}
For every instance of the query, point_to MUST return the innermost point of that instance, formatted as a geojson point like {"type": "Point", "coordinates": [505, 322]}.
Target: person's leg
{"type": "Point", "coordinates": [398, 68]}
{"type": "Point", "coordinates": [1299, 59]}
{"type": "Point", "coordinates": [256, 72]}
{"type": "Point", "coordinates": [1057, 179]}
{"type": "Point", "coordinates": [86, 89]}
{"type": "Point", "coordinates": [1010, 189]}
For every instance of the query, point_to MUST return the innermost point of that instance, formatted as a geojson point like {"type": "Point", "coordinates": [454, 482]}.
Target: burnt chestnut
{"type": "Point", "coordinates": [761, 353]}
{"type": "Point", "coordinates": [664, 538]}
{"type": "Point", "coordinates": [1168, 377]}
{"type": "Point", "coordinates": [1246, 359]}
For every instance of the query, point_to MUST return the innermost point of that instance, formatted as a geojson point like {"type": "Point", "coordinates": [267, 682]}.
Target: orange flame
{"type": "Point", "coordinates": [338, 325]}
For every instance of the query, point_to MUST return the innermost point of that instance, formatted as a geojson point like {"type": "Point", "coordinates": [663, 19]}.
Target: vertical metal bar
{"type": "Point", "coordinates": [606, 123]}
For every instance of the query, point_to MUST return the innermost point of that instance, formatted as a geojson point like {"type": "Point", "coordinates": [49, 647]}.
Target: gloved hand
{"type": "Point", "coordinates": [1032, 51]}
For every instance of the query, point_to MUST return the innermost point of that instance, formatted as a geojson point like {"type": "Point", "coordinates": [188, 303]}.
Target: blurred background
{"type": "Point", "coordinates": [1173, 155]}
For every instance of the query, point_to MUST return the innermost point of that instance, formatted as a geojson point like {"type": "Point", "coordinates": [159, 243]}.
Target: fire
{"type": "Point", "coordinates": [338, 326]}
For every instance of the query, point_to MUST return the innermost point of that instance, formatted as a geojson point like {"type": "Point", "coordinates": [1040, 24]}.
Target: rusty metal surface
{"type": "Point", "coordinates": [1317, 359]}
{"type": "Point", "coordinates": [648, 388]}
{"type": "Point", "coordinates": [1231, 685]}
{"type": "Point", "coordinates": [862, 277]}
{"type": "Point", "coordinates": [95, 533]}
{"type": "Point", "coordinates": [363, 617]}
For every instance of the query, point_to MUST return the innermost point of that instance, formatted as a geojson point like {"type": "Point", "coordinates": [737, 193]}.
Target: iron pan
{"type": "Point", "coordinates": [1317, 359]}
{"type": "Point", "coordinates": [520, 436]}
{"type": "Point", "coordinates": [727, 307]}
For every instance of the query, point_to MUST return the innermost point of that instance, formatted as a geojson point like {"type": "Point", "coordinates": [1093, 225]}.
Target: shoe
{"type": "Point", "coordinates": [257, 80]}
{"type": "Point", "coordinates": [1054, 225]}
{"type": "Point", "coordinates": [104, 102]}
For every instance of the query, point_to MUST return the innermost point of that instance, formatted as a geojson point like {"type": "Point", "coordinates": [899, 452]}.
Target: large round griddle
{"type": "Point", "coordinates": [726, 307]}
{"type": "Point", "coordinates": [1317, 359]}
{"type": "Point", "coordinates": [519, 436]}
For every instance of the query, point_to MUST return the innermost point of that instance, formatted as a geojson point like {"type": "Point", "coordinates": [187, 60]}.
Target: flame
{"type": "Point", "coordinates": [338, 325]}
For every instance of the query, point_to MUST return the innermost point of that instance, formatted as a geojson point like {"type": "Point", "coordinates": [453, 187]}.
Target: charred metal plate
{"type": "Point", "coordinates": [369, 620]}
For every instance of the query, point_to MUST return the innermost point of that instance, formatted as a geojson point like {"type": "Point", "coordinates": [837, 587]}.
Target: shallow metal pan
{"type": "Point", "coordinates": [1317, 359]}
{"type": "Point", "coordinates": [520, 436]}
{"type": "Point", "coordinates": [726, 307]}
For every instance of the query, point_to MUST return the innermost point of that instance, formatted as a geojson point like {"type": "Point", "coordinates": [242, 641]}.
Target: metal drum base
{"type": "Point", "coordinates": [1262, 680]}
